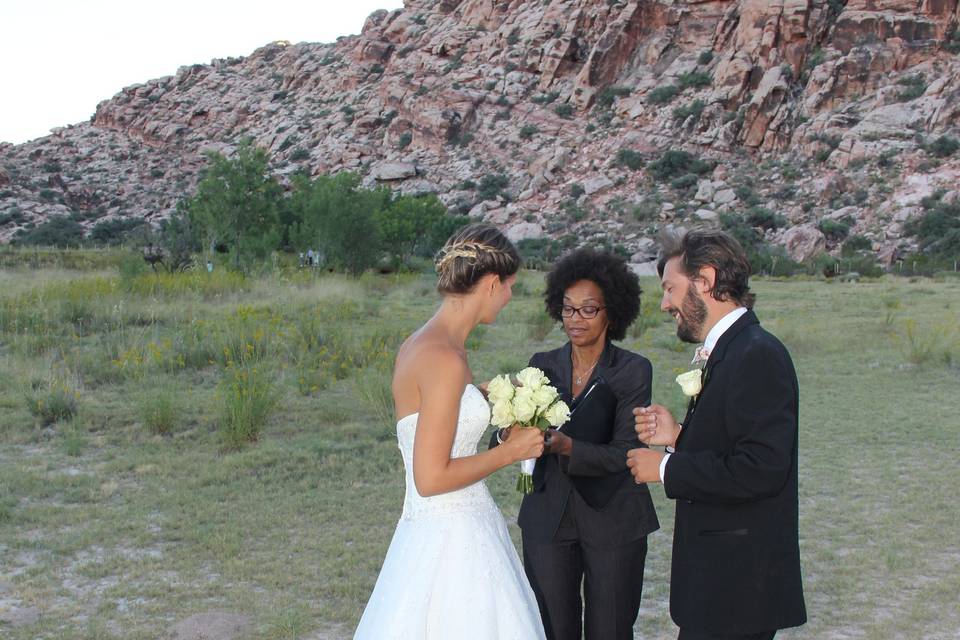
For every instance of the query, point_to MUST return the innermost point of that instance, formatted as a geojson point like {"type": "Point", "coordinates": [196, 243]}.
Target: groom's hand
{"type": "Point", "coordinates": [644, 464]}
{"type": "Point", "coordinates": [655, 426]}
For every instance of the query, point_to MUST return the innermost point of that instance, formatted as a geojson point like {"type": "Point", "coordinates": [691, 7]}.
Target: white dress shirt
{"type": "Point", "coordinates": [709, 343]}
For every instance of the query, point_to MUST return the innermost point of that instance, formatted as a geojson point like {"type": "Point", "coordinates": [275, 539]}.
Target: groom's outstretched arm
{"type": "Point", "coordinates": [761, 420]}
{"type": "Point", "coordinates": [631, 385]}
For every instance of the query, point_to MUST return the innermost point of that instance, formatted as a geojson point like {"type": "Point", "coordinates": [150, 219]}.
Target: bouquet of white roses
{"type": "Point", "coordinates": [531, 402]}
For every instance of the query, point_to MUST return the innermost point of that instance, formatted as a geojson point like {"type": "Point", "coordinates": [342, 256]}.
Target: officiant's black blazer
{"type": "Point", "coordinates": [736, 557]}
{"type": "Point", "coordinates": [610, 508]}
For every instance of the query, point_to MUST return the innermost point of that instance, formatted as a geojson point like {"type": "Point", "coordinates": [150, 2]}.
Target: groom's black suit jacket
{"type": "Point", "coordinates": [610, 508]}
{"type": "Point", "coordinates": [736, 558]}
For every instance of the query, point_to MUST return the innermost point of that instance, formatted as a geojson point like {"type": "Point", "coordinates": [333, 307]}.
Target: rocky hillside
{"type": "Point", "coordinates": [553, 117]}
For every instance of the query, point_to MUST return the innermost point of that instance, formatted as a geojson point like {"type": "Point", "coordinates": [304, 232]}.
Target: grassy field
{"type": "Point", "coordinates": [128, 501]}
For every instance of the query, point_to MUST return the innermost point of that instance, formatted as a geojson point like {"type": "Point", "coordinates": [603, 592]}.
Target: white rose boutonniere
{"type": "Point", "coordinates": [691, 382]}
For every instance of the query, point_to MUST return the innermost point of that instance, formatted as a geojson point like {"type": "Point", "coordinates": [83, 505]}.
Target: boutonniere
{"type": "Point", "coordinates": [691, 382]}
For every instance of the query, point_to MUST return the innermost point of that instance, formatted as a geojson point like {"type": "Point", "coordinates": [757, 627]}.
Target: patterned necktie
{"type": "Point", "coordinates": [700, 356]}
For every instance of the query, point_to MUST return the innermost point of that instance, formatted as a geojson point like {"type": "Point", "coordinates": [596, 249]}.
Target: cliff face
{"type": "Point", "coordinates": [811, 108]}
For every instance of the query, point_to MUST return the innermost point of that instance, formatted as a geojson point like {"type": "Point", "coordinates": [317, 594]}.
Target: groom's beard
{"type": "Point", "coordinates": [693, 314]}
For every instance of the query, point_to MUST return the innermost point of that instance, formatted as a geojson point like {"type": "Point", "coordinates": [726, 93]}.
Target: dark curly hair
{"type": "Point", "coordinates": [620, 286]}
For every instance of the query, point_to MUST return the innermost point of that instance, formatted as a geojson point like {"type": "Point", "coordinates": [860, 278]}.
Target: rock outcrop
{"type": "Point", "coordinates": [783, 95]}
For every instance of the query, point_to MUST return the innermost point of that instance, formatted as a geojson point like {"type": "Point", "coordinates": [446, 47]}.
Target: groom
{"type": "Point", "coordinates": [731, 465]}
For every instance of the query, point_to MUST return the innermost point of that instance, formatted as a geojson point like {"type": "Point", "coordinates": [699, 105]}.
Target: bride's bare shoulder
{"type": "Point", "coordinates": [423, 353]}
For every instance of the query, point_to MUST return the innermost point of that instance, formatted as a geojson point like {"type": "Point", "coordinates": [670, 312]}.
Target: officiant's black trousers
{"type": "Point", "coordinates": [696, 635]}
{"type": "Point", "coordinates": [612, 579]}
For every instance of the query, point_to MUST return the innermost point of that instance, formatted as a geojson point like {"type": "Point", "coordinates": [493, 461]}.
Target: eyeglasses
{"type": "Point", "coordinates": [586, 312]}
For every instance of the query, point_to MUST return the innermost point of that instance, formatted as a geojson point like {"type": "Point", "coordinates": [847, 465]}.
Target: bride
{"type": "Point", "coordinates": [451, 570]}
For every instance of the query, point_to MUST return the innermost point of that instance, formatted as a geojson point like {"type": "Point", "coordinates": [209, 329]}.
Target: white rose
{"type": "Point", "coordinates": [558, 413]}
{"type": "Point", "coordinates": [500, 389]}
{"type": "Point", "coordinates": [690, 382]}
{"type": "Point", "coordinates": [545, 395]}
{"type": "Point", "coordinates": [532, 378]}
{"type": "Point", "coordinates": [502, 414]}
{"type": "Point", "coordinates": [524, 406]}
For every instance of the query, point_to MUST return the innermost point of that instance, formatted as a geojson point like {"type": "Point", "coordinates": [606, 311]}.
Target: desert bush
{"type": "Point", "coordinates": [630, 159]}
{"type": "Point", "coordinates": [404, 140]}
{"type": "Point", "coordinates": [765, 218]}
{"type": "Point", "coordinates": [835, 230]}
{"type": "Point", "coordinates": [58, 231]}
{"type": "Point", "coordinates": [914, 86]}
{"type": "Point", "coordinates": [114, 232]}
{"type": "Point", "coordinates": [527, 131]}
{"type": "Point", "coordinates": [693, 110]}
{"type": "Point", "coordinates": [943, 147]}
{"type": "Point", "coordinates": [538, 324]}
{"type": "Point", "coordinates": [694, 79]}
{"type": "Point", "coordinates": [606, 97]}
{"type": "Point", "coordinates": [247, 398]}
{"type": "Point", "coordinates": [663, 95]}
{"type": "Point", "coordinates": [492, 185]}
{"type": "Point", "coordinates": [705, 57]}
{"type": "Point", "coordinates": [564, 110]}
{"type": "Point", "coordinates": [159, 411]}
{"type": "Point", "coordinates": [53, 402]}
{"type": "Point", "coordinates": [674, 163]}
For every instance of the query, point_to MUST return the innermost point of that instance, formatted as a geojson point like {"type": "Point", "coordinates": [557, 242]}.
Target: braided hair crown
{"type": "Point", "coordinates": [471, 253]}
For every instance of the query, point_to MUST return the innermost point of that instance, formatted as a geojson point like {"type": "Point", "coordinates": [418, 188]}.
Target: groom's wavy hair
{"type": "Point", "coordinates": [707, 248]}
{"type": "Point", "coordinates": [471, 253]}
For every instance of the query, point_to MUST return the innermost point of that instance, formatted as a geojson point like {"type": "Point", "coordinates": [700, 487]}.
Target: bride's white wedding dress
{"type": "Point", "coordinates": [451, 572]}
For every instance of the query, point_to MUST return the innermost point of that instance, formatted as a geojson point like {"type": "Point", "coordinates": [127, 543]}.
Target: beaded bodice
{"type": "Point", "coordinates": [472, 422]}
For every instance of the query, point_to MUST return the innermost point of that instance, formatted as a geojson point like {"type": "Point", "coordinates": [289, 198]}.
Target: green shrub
{"type": "Point", "coordinates": [606, 97]}
{"type": "Point", "coordinates": [404, 141]}
{"type": "Point", "coordinates": [55, 403]}
{"type": "Point", "coordinates": [685, 183]}
{"type": "Point", "coordinates": [764, 218]}
{"type": "Point", "coordinates": [576, 190]}
{"type": "Point", "coordinates": [938, 229]}
{"type": "Point", "coordinates": [663, 95]}
{"type": "Point", "coordinates": [834, 229]}
{"type": "Point", "coordinates": [114, 232]}
{"type": "Point", "coordinates": [299, 154]}
{"type": "Point", "coordinates": [694, 110]}
{"type": "Point", "coordinates": [527, 131]}
{"type": "Point", "coordinates": [492, 185]}
{"type": "Point", "coordinates": [545, 98]}
{"type": "Point", "coordinates": [564, 110]}
{"type": "Point", "coordinates": [630, 159]}
{"type": "Point", "coordinates": [159, 412]}
{"type": "Point", "coordinates": [674, 163]}
{"type": "Point", "coordinates": [247, 397]}
{"type": "Point", "coordinates": [539, 324]}
{"type": "Point", "coordinates": [705, 57]}
{"type": "Point", "coordinates": [694, 79]}
{"type": "Point", "coordinates": [943, 147]}
{"type": "Point", "coordinates": [59, 231]}
{"type": "Point", "coordinates": [540, 253]}
{"type": "Point", "coordinates": [953, 43]}
{"type": "Point", "coordinates": [914, 86]}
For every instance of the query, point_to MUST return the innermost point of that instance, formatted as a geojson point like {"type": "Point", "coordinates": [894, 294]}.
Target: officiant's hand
{"type": "Point", "coordinates": [655, 426]}
{"type": "Point", "coordinates": [644, 464]}
{"type": "Point", "coordinates": [558, 443]}
{"type": "Point", "coordinates": [524, 442]}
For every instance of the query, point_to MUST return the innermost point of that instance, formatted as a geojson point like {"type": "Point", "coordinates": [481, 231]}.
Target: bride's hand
{"type": "Point", "coordinates": [524, 443]}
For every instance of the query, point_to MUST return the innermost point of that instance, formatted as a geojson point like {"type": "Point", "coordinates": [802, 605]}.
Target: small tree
{"type": "Point", "coordinates": [236, 204]}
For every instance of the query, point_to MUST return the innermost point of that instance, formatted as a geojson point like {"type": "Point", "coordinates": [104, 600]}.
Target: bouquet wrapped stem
{"type": "Point", "coordinates": [530, 402]}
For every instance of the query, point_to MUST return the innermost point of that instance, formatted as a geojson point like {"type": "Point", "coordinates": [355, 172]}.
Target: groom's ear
{"type": "Point", "coordinates": [706, 279]}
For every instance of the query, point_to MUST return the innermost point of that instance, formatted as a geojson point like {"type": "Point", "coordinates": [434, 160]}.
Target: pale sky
{"type": "Point", "coordinates": [62, 57]}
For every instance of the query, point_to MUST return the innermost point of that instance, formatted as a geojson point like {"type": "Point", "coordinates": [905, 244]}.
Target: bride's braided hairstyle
{"type": "Point", "coordinates": [470, 254]}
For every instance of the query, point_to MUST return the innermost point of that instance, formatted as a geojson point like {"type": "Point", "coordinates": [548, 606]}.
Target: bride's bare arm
{"type": "Point", "coordinates": [434, 471]}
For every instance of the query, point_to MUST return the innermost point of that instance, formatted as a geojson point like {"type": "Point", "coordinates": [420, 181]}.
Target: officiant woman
{"type": "Point", "coordinates": [585, 525]}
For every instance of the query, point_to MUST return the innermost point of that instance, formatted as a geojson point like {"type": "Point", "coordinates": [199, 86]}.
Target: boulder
{"type": "Point", "coordinates": [524, 231]}
{"type": "Point", "coordinates": [803, 242]}
{"type": "Point", "coordinates": [389, 171]}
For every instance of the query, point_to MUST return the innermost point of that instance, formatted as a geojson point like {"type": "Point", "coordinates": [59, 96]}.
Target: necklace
{"type": "Point", "coordinates": [579, 380]}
